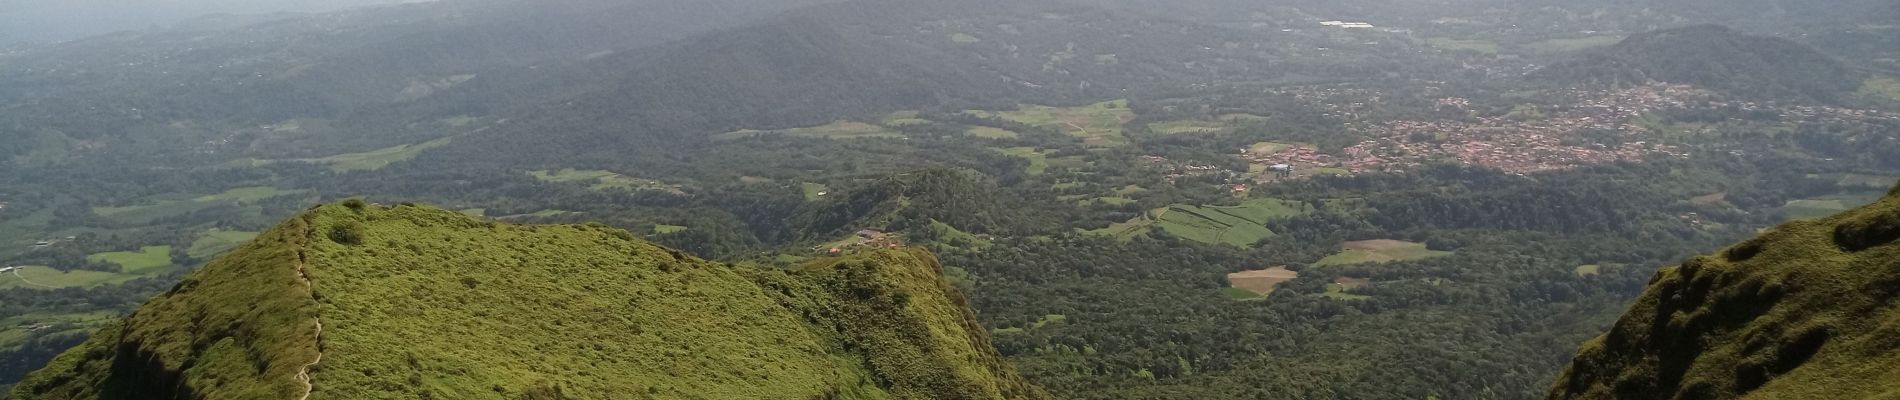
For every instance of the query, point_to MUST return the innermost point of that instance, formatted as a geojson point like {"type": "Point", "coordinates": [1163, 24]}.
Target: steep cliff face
{"type": "Point", "coordinates": [1804, 311]}
{"type": "Point", "coordinates": [358, 301]}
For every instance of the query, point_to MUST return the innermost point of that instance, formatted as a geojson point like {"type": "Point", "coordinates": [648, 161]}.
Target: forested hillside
{"type": "Point", "coordinates": [1717, 58]}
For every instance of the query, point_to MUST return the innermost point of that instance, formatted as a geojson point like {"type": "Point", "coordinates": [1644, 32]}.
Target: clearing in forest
{"type": "Point", "coordinates": [1224, 123]}
{"type": "Point", "coordinates": [834, 130]}
{"type": "Point", "coordinates": [903, 118]}
{"type": "Point", "coordinates": [137, 262]}
{"type": "Point", "coordinates": [1818, 207]}
{"type": "Point", "coordinates": [1471, 45]}
{"type": "Point", "coordinates": [1261, 282]}
{"type": "Point", "coordinates": [216, 242]}
{"type": "Point", "coordinates": [376, 159]}
{"type": "Point", "coordinates": [991, 133]}
{"type": "Point", "coordinates": [1882, 87]}
{"type": "Point", "coordinates": [40, 277]}
{"type": "Point", "coordinates": [604, 180]}
{"type": "Point", "coordinates": [1876, 182]}
{"type": "Point", "coordinates": [1380, 251]}
{"type": "Point", "coordinates": [1039, 162]}
{"type": "Point", "coordinates": [1098, 124]}
{"type": "Point", "coordinates": [176, 204]}
{"type": "Point", "coordinates": [1338, 289]}
{"type": "Point", "coordinates": [1710, 199]}
{"type": "Point", "coordinates": [814, 191]}
{"type": "Point", "coordinates": [1240, 226]}
{"type": "Point", "coordinates": [1589, 270]}
{"type": "Point", "coordinates": [1566, 45]}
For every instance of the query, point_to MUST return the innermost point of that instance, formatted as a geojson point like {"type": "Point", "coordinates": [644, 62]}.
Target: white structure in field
{"type": "Point", "coordinates": [1348, 25]}
{"type": "Point", "coordinates": [1283, 170]}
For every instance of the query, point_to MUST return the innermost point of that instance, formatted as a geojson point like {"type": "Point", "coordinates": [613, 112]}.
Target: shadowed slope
{"type": "Point", "coordinates": [1804, 311]}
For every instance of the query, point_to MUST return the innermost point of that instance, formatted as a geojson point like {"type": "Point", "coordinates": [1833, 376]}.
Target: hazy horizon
{"type": "Point", "coordinates": [44, 21]}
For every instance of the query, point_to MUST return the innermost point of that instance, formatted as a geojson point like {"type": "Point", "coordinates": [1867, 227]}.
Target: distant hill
{"type": "Point", "coordinates": [864, 58]}
{"type": "Point", "coordinates": [360, 301]}
{"type": "Point", "coordinates": [1804, 311]}
{"type": "Point", "coordinates": [587, 71]}
{"type": "Point", "coordinates": [1713, 57]}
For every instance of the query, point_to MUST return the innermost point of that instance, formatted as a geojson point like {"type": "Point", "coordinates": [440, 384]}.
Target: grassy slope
{"type": "Point", "coordinates": [241, 327]}
{"type": "Point", "coordinates": [1803, 311]}
{"type": "Point", "coordinates": [434, 303]}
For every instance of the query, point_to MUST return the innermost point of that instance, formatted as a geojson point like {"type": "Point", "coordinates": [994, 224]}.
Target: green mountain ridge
{"type": "Point", "coordinates": [1714, 57]}
{"type": "Point", "coordinates": [1804, 311]}
{"type": "Point", "coordinates": [358, 301]}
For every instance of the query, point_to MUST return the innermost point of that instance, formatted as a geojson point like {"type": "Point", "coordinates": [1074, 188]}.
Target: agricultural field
{"type": "Point", "coordinates": [38, 277]}
{"type": "Point", "coordinates": [1240, 226]}
{"type": "Point", "coordinates": [603, 180]}
{"type": "Point", "coordinates": [376, 159]}
{"type": "Point", "coordinates": [1109, 200]}
{"type": "Point", "coordinates": [1713, 199]}
{"type": "Point", "coordinates": [1261, 283]}
{"type": "Point", "coordinates": [1480, 46]}
{"type": "Point", "coordinates": [1268, 148]}
{"type": "Point", "coordinates": [902, 118]}
{"type": "Point", "coordinates": [169, 205]}
{"type": "Point", "coordinates": [538, 214]}
{"type": "Point", "coordinates": [1098, 125]}
{"type": "Point", "coordinates": [991, 133]}
{"type": "Point", "coordinates": [1823, 206]}
{"type": "Point", "coordinates": [1380, 251]}
{"type": "Point", "coordinates": [1588, 270]}
{"type": "Point", "coordinates": [950, 234]}
{"type": "Point", "coordinates": [834, 130]}
{"type": "Point", "coordinates": [216, 241]}
{"type": "Point", "coordinates": [814, 191]}
{"type": "Point", "coordinates": [1881, 87]}
{"type": "Point", "coordinates": [1224, 123]}
{"type": "Point", "coordinates": [1876, 182]}
{"type": "Point", "coordinates": [666, 229]}
{"type": "Point", "coordinates": [1338, 290]}
{"type": "Point", "coordinates": [1188, 126]}
{"type": "Point", "coordinates": [1039, 162]}
{"type": "Point", "coordinates": [1567, 45]}
{"type": "Point", "coordinates": [147, 259]}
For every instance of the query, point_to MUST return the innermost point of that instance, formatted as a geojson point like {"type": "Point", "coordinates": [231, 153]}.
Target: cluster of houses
{"type": "Point", "coordinates": [864, 239]}
{"type": "Point", "coordinates": [1516, 145]}
{"type": "Point", "coordinates": [1524, 146]}
{"type": "Point", "coordinates": [1174, 171]}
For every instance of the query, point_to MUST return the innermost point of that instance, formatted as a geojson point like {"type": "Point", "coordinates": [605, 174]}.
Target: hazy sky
{"type": "Point", "coordinates": [57, 20]}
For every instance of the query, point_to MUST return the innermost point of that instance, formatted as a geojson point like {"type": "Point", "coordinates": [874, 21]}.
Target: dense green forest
{"type": "Point", "coordinates": [1456, 221]}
